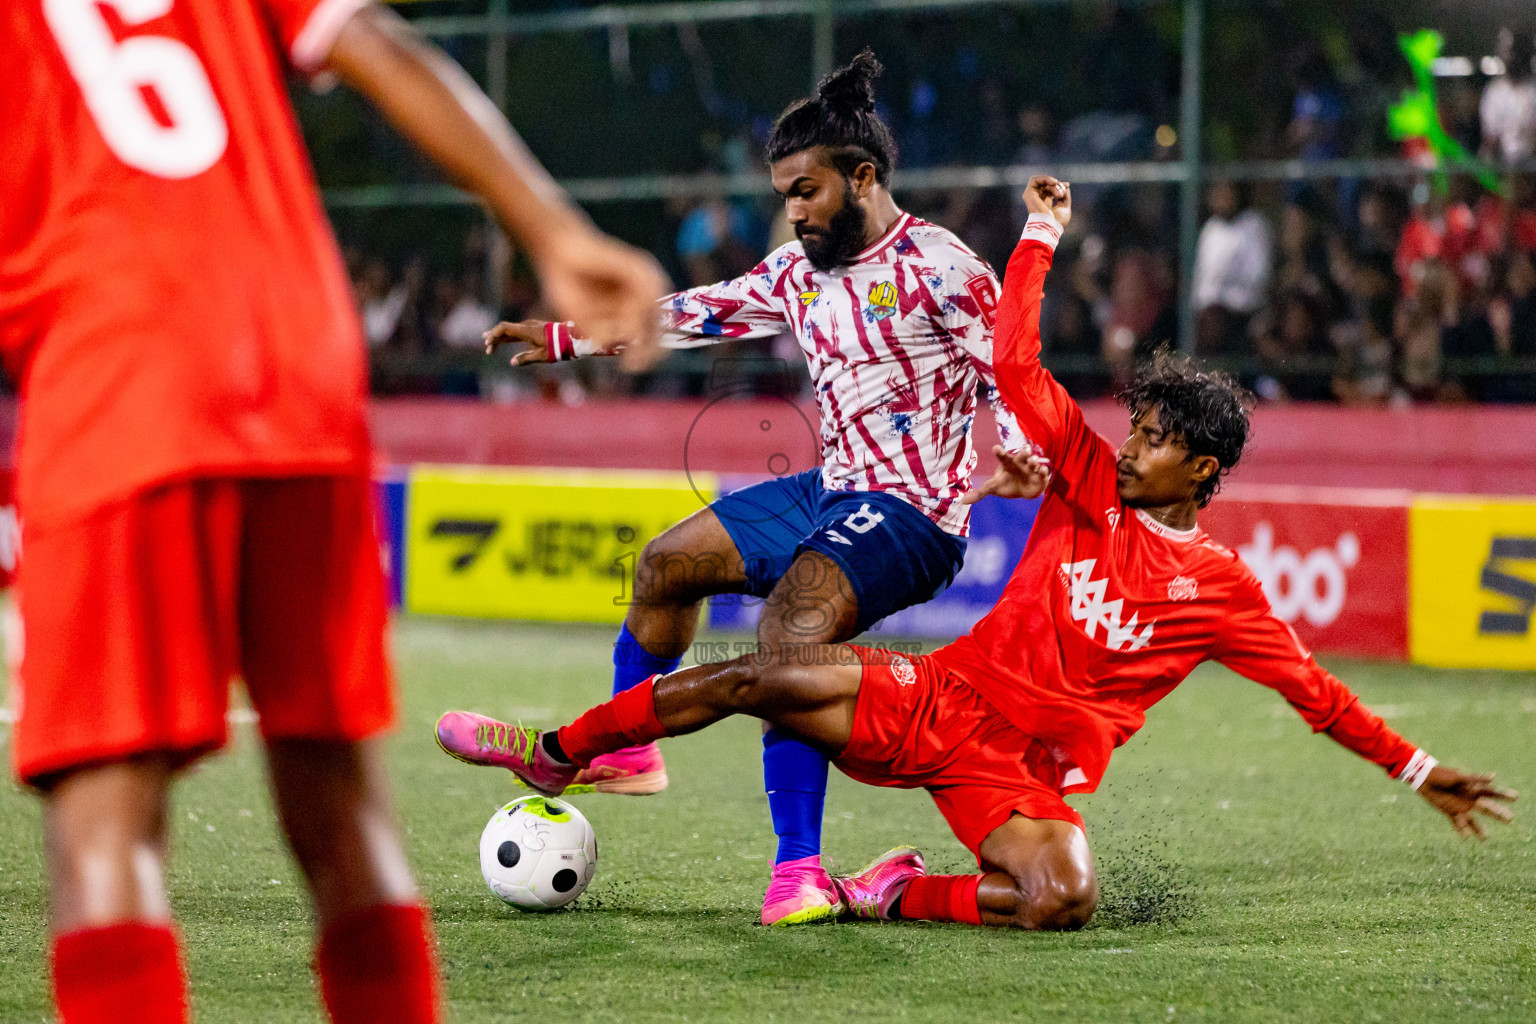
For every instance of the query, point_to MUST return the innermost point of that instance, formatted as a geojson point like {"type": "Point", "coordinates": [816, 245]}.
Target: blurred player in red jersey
{"type": "Point", "coordinates": [1118, 596]}
{"type": "Point", "coordinates": [194, 463]}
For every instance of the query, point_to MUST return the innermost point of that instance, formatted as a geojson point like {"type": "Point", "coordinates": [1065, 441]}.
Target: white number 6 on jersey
{"type": "Point", "coordinates": [111, 75]}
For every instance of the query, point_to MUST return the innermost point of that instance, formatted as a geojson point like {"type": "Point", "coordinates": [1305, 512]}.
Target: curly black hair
{"type": "Point", "coordinates": [841, 116]}
{"type": "Point", "coordinates": [1207, 411]}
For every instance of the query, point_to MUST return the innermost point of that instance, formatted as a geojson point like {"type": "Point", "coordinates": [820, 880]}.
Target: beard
{"type": "Point", "coordinates": [843, 238]}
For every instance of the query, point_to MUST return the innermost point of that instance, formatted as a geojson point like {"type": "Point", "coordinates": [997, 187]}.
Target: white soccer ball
{"type": "Point", "coordinates": [538, 853]}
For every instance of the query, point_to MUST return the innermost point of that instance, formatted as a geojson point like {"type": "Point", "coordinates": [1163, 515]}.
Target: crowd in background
{"type": "Point", "coordinates": [1362, 291]}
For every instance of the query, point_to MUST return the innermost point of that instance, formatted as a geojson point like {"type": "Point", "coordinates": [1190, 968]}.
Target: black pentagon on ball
{"type": "Point", "coordinates": [508, 854]}
{"type": "Point", "coordinates": [564, 880]}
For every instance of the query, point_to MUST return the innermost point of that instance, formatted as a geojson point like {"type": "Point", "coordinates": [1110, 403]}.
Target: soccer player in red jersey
{"type": "Point", "coordinates": [194, 458]}
{"type": "Point", "coordinates": [1118, 596]}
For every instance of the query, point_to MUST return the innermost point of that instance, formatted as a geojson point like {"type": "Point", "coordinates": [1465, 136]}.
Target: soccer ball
{"type": "Point", "coordinates": [538, 853]}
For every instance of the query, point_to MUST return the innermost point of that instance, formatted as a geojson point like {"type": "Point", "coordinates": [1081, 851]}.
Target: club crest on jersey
{"type": "Point", "coordinates": [806, 298]}
{"type": "Point", "coordinates": [1113, 515]}
{"type": "Point", "coordinates": [1182, 588]}
{"type": "Point", "coordinates": [882, 300]}
{"type": "Point", "coordinates": [903, 671]}
{"type": "Point", "coordinates": [1088, 606]}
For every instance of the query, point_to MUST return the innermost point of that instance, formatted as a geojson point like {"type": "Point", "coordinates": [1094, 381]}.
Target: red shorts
{"type": "Point", "coordinates": [137, 617]}
{"type": "Point", "coordinates": [915, 724]}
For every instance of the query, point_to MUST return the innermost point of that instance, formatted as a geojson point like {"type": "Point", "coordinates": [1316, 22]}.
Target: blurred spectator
{"type": "Point", "coordinates": [1380, 217]}
{"type": "Point", "coordinates": [1364, 346]}
{"type": "Point", "coordinates": [1317, 112]}
{"type": "Point", "coordinates": [1512, 320]}
{"type": "Point", "coordinates": [1362, 340]}
{"type": "Point", "coordinates": [1508, 107]}
{"type": "Point", "coordinates": [1440, 229]}
{"type": "Point", "coordinates": [1291, 340]}
{"type": "Point", "coordinates": [381, 303]}
{"type": "Point", "coordinates": [1037, 127]}
{"type": "Point", "coordinates": [718, 240]}
{"type": "Point", "coordinates": [1140, 313]}
{"type": "Point", "coordinates": [463, 317]}
{"type": "Point", "coordinates": [1232, 268]}
{"type": "Point", "coordinates": [1420, 322]}
{"type": "Point", "coordinates": [995, 142]}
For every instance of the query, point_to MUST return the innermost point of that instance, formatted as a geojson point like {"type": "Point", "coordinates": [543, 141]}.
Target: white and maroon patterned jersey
{"type": "Point", "coordinates": [897, 342]}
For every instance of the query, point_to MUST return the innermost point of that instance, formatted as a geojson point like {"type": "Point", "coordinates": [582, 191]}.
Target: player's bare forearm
{"type": "Point", "coordinates": [440, 109]}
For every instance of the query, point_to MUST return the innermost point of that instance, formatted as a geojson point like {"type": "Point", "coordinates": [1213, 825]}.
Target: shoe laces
{"type": "Point", "coordinates": [514, 741]}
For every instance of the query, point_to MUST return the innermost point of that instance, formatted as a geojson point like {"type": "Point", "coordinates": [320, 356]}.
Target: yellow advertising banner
{"type": "Point", "coordinates": [1472, 582]}
{"type": "Point", "coordinates": [556, 545]}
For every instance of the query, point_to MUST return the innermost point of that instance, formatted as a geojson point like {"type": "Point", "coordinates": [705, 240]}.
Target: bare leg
{"type": "Point", "coordinates": [334, 806]}
{"type": "Point", "coordinates": [675, 573]}
{"type": "Point", "coordinates": [1044, 877]}
{"type": "Point", "coordinates": [807, 689]}
{"type": "Point", "coordinates": [105, 834]}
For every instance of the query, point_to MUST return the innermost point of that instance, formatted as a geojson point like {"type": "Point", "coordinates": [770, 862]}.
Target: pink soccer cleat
{"type": "Point", "coordinates": [634, 771]}
{"type": "Point", "coordinates": [871, 893]}
{"type": "Point", "coordinates": [478, 740]}
{"type": "Point", "coordinates": [801, 892]}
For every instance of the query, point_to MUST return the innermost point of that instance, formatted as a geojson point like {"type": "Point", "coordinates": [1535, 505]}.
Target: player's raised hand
{"type": "Point", "coordinates": [610, 289]}
{"type": "Point", "coordinates": [1459, 795]}
{"type": "Point", "coordinates": [1018, 475]}
{"type": "Point", "coordinates": [1044, 194]}
{"type": "Point", "coordinates": [527, 332]}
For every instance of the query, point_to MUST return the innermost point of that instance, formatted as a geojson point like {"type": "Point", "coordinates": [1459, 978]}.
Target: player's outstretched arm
{"type": "Point", "coordinates": [1256, 644]}
{"type": "Point", "coordinates": [1459, 795]}
{"type": "Point", "coordinates": [743, 307]}
{"type": "Point", "coordinates": [608, 287]}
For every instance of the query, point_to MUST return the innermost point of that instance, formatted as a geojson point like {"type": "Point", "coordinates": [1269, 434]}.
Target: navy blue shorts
{"type": "Point", "coordinates": [893, 555]}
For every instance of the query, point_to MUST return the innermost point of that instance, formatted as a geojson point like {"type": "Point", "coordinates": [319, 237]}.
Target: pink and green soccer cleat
{"type": "Point", "coordinates": [801, 892]}
{"type": "Point", "coordinates": [871, 893]}
{"type": "Point", "coordinates": [478, 740]}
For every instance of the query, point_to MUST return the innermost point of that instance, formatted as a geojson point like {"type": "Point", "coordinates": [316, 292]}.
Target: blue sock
{"type": "Point", "coordinates": [795, 777]}
{"type": "Point", "coordinates": [633, 664]}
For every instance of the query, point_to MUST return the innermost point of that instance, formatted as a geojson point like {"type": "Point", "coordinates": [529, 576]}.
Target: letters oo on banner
{"type": "Point", "coordinates": [1330, 561]}
{"type": "Point", "coordinates": [535, 544]}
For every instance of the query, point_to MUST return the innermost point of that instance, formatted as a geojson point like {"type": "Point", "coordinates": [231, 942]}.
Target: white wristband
{"type": "Point", "coordinates": [1418, 769]}
{"type": "Point", "coordinates": [1042, 227]}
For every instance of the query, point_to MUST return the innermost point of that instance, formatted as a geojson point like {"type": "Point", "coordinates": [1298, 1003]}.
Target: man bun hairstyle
{"type": "Point", "coordinates": [841, 117]}
{"type": "Point", "coordinates": [1207, 411]}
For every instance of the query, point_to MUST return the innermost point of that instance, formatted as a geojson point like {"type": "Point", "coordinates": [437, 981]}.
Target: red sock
{"type": "Point", "coordinates": [126, 973]}
{"type": "Point", "coordinates": [942, 898]}
{"type": "Point", "coordinates": [376, 964]}
{"type": "Point", "coordinates": [628, 720]}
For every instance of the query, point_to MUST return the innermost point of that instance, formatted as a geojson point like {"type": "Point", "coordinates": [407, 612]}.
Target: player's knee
{"type": "Point", "coordinates": [663, 571]}
{"type": "Point", "coordinates": [1059, 899]}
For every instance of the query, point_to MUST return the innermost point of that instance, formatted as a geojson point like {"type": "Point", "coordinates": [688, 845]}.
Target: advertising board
{"type": "Point", "coordinates": [1330, 561]}
{"type": "Point", "coordinates": [1472, 574]}
{"type": "Point", "coordinates": [535, 544]}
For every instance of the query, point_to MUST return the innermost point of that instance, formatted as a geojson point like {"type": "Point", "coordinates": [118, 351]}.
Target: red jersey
{"type": "Point", "coordinates": [172, 302]}
{"type": "Point", "coordinates": [1109, 610]}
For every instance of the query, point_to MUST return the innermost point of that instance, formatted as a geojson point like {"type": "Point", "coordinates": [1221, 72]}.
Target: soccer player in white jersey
{"type": "Point", "coordinates": [895, 318]}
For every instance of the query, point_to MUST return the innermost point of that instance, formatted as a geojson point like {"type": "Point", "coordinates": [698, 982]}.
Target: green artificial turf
{"type": "Point", "coordinates": [1250, 872]}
